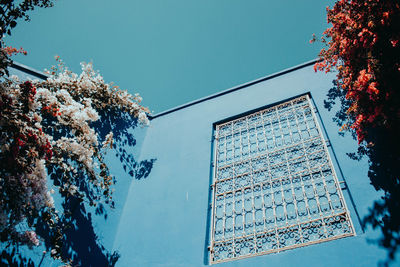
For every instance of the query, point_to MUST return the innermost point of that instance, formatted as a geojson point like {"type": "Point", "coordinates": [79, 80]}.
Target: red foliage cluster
{"type": "Point", "coordinates": [363, 45]}
{"type": "Point", "coordinates": [31, 143]}
{"type": "Point", "coordinates": [52, 110]}
{"type": "Point", "coordinates": [28, 90]}
{"type": "Point", "coordinates": [9, 50]}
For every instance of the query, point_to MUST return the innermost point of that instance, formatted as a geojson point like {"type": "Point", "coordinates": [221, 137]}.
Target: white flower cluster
{"type": "Point", "coordinates": [78, 151]}
{"type": "Point", "coordinates": [32, 237]}
{"type": "Point", "coordinates": [37, 180]}
{"type": "Point", "coordinates": [69, 104]}
{"type": "Point", "coordinates": [108, 141]}
{"type": "Point", "coordinates": [90, 84]}
{"type": "Point", "coordinates": [143, 119]}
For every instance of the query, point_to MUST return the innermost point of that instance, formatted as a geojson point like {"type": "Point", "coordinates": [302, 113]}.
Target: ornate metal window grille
{"type": "Point", "coordinates": [274, 185]}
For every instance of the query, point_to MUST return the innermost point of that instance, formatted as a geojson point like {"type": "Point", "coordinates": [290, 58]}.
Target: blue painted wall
{"type": "Point", "coordinates": [165, 218]}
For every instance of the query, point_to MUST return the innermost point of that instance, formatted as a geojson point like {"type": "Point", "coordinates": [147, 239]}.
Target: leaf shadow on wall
{"type": "Point", "coordinates": [11, 257]}
{"type": "Point", "coordinates": [383, 153]}
{"type": "Point", "coordinates": [80, 242]}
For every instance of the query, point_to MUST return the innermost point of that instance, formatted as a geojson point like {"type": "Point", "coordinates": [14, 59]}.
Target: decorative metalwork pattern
{"type": "Point", "coordinates": [274, 185]}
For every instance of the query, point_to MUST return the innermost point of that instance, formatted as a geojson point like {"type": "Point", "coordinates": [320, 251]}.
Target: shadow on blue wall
{"type": "Point", "coordinates": [383, 153]}
{"type": "Point", "coordinates": [80, 242]}
{"type": "Point", "coordinates": [11, 257]}
{"type": "Point", "coordinates": [121, 124]}
{"type": "Point", "coordinates": [206, 258]}
{"type": "Point", "coordinates": [384, 173]}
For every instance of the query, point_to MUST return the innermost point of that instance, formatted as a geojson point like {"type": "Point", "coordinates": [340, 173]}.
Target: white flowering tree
{"type": "Point", "coordinates": [50, 144]}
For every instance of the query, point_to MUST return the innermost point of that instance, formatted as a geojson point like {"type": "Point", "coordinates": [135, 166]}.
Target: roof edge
{"type": "Point", "coordinates": [29, 70]}
{"type": "Point", "coordinates": [44, 76]}
{"type": "Point", "coordinates": [236, 88]}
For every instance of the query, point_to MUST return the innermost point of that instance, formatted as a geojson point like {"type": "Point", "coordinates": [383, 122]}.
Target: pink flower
{"type": "Point", "coordinates": [32, 237]}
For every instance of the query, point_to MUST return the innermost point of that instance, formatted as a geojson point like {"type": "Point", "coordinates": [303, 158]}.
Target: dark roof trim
{"type": "Point", "coordinates": [29, 70]}
{"type": "Point", "coordinates": [44, 76]}
{"type": "Point", "coordinates": [227, 91]}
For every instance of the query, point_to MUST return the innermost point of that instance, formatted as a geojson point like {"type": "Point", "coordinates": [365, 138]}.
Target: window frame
{"type": "Point", "coordinates": [214, 181]}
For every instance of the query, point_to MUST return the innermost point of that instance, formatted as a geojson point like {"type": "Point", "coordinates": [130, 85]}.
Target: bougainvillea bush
{"type": "Point", "coordinates": [363, 46]}
{"type": "Point", "coordinates": [47, 129]}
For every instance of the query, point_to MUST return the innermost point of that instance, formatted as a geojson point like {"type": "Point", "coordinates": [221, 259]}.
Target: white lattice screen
{"type": "Point", "coordinates": [274, 185]}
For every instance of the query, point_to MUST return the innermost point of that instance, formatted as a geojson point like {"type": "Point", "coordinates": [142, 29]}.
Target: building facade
{"type": "Point", "coordinates": [256, 175]}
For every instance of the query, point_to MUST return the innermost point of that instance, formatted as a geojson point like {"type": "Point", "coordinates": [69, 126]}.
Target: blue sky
{"type": "Point", "coordinates": [174, 51]}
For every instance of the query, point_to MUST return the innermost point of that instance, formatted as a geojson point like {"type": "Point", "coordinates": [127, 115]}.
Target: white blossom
{"type": "Point", "coordinates": [143, 118]}
{"type": "Point", "coordinates": [32, 237]}
{"type": "Point", "coordinates": [108, 140]}
{"type": "Point", "coordinates": [72, 189]}
{"type": "Point", "coordinates": [71, 102]}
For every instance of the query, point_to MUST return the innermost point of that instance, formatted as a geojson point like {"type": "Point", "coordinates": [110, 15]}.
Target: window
{"type": "Point", "coordinates": [274, 186]}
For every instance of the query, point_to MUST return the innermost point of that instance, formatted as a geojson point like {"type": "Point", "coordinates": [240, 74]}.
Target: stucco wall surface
{"type": "Point", "coordinates": [165, 219]}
